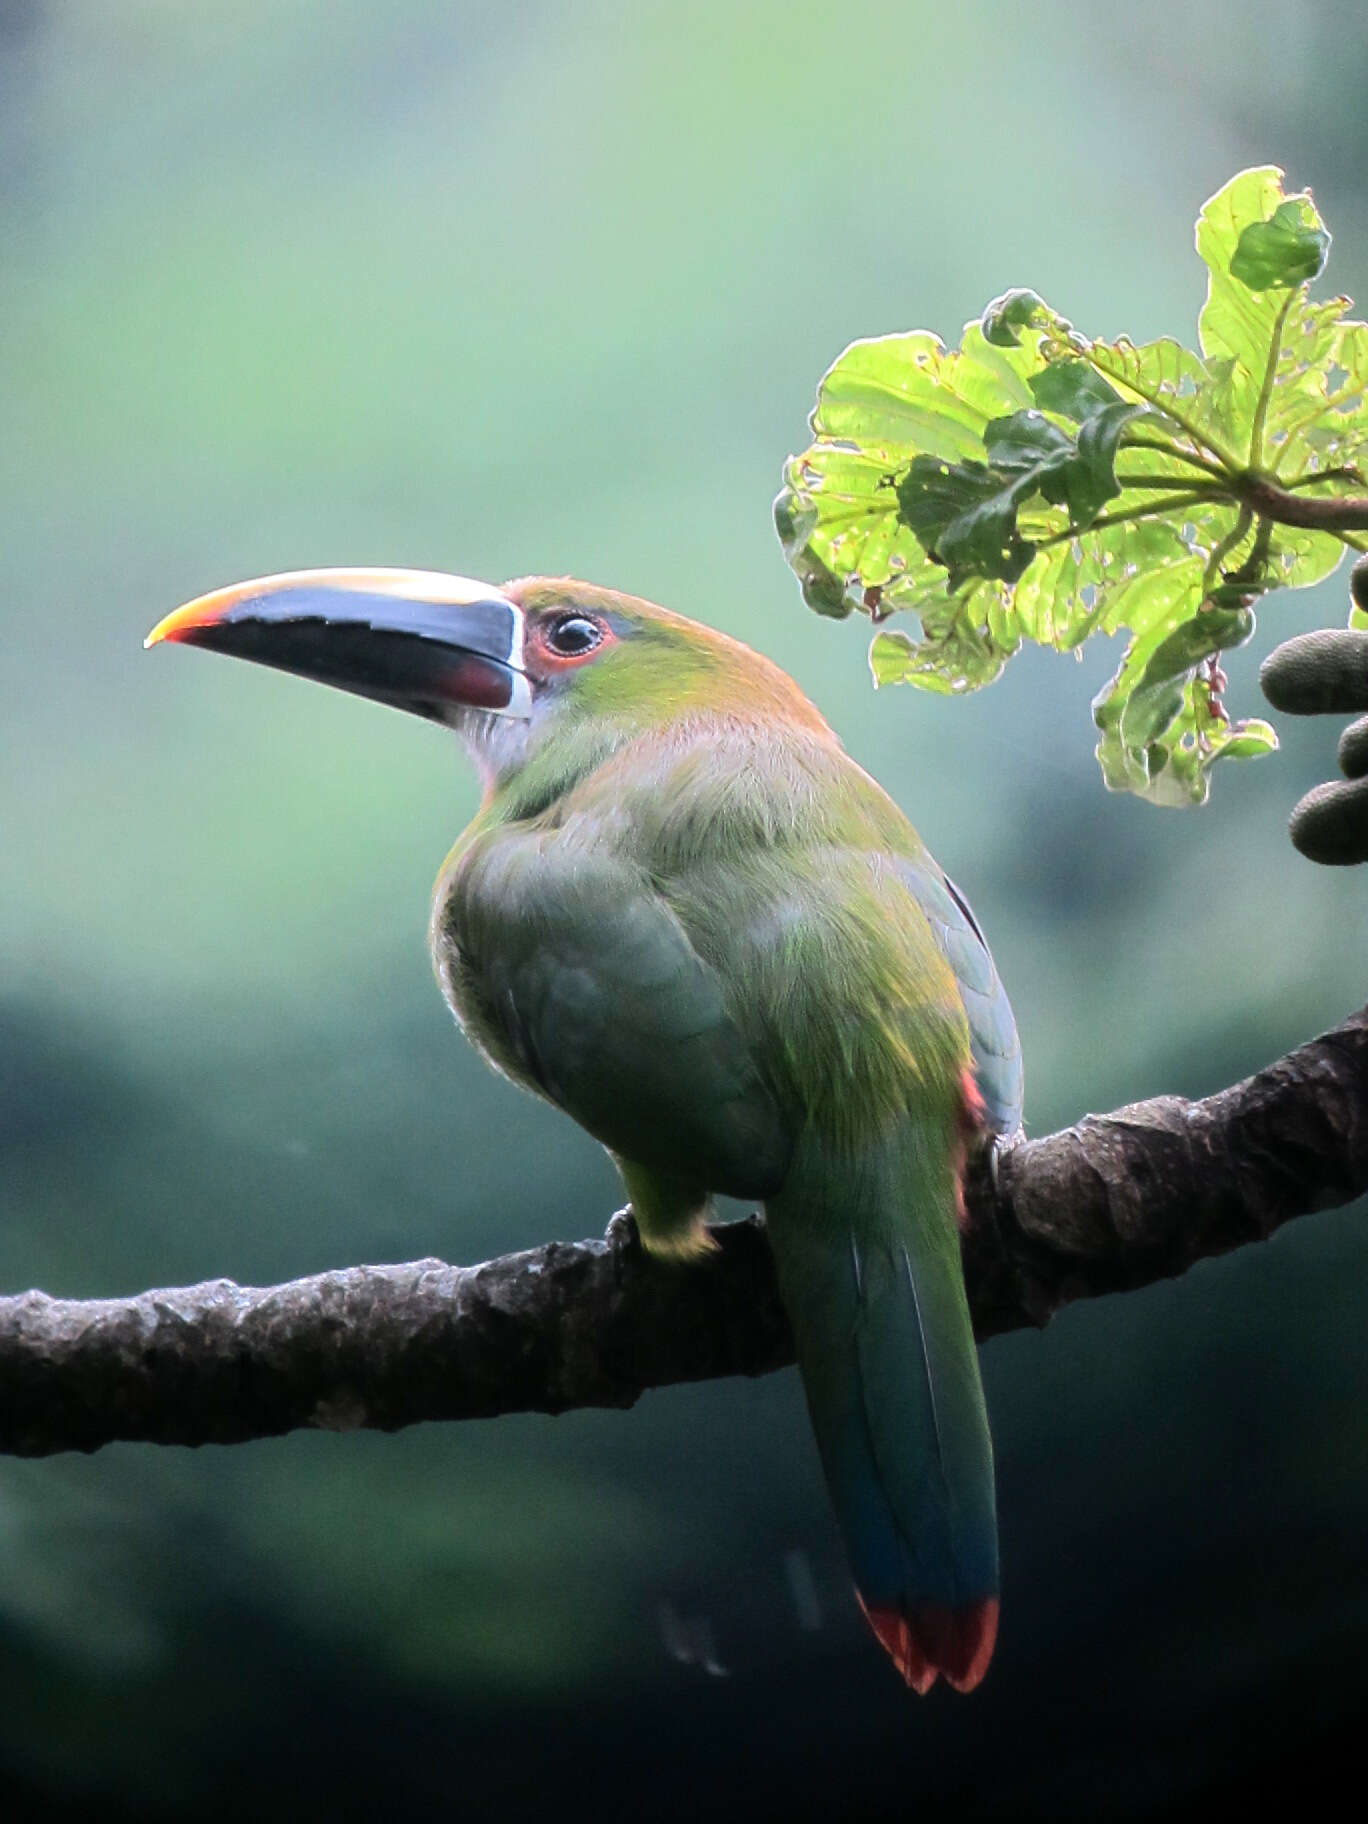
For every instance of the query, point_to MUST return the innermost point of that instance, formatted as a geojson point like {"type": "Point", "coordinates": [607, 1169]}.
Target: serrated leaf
{"type": "Point", "coordinates": [1318, 410]}
{"type": "Point", "coordinates": [1286, 250]}
{"type": "Point", "coordinates": [1191, 398]}
{"type": "Point", "coordinates": [1033, 484]}
{"type": "Point", "coordinates": [880, 405]}
{"type": "Point", "coordinates": [1244, 332]}
{"type": "Point", "coordinates": [1236, 324]}
{"type": "Point", "coordinates": [961, 650]}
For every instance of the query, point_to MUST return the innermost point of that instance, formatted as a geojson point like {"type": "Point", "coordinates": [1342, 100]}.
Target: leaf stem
{"type": "Point", "coordinates": [1160, 403]}
{"type": "Point", "coordinates": [1152, 509]}
{"type": "Point", "coordinates": [1221, 551]}
{"type": "Point", "coordinates": [1345, 473]}
{"type": "Point", "coordinates": [1183, 483]}
{"type": "Point", "coordinates": [1256, 435]}
{"type": "Point", "coordinates": [1169, 449]}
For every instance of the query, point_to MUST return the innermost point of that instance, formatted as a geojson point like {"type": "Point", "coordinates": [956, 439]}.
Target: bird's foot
{"type": "Point", "coordinates": [622, 1232]}
{"type": "Point", "coordinates": [998, 1148]}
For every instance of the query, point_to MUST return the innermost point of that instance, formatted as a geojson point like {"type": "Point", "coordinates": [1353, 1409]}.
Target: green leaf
{"type": "Point", "coordinates": [1072, 388]}
{"type": "Point", "coordinates": [1287, 249]}
{"type": "Point", "coordinates": [1090, 481]}
{"type": "Point", "coordinates": [959, 651]}
{"type": "Point", "coordinates": [965, 513]}
{"type": "Point", "coordinates": [965, 516]}
{"type": "Point", "coordinates": [1160, 673]}
{"type": "Point", "coordinates": [880, 405]}
{"type": "Point", "coordinates": [1246, 332]}
{"type": "Point", "coordinates": [1248, 740]}
{"type": "Point", "coordinates": [1162, 731]}
{"type": "Point", "coordinates": [1005, 318]}
{"type": "Point", "coordinates": [1033, 484]}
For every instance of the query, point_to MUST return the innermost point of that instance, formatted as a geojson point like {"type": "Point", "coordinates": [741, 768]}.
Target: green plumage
{"type": "Point", "coordinates": [687, 918]}
{"type": "Point", "coordinates": [727, 910]}
{"type": "Point", "coordinates": [726, 954]}
{"type": "Point", "coordinates": [690, 920]}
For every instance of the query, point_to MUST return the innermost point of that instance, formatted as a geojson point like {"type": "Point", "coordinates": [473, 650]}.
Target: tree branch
{"type": "Point", "coordinates": [1114, 1203]}
{"type": "Point", "coordinates": [1315, 513]}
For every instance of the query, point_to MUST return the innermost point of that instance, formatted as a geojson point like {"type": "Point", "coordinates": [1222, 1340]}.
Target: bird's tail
{"type": "Point", "coordinates": [869, 1270]}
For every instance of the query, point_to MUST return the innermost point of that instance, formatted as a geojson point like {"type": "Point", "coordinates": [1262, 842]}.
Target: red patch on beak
{"type": "Point", "coordinates": [477, 683]}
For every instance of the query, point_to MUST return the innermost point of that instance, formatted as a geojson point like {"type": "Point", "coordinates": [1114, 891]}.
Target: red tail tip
{"type": "Point", "coordinates": [937, 1639]}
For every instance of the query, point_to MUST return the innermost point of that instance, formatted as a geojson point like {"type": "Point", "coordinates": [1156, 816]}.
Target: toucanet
{"type": "Point", "coordinates": [685, 916]}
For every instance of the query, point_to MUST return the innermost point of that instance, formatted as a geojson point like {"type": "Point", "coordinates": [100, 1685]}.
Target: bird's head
{"type": "Point", "coordinates": [516, 669]}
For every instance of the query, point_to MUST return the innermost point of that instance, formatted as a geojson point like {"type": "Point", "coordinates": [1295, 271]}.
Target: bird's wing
{"type": "Point", "coordinates": [992, 1029]}
{"type": "Point", "coordinates": [588, 978]}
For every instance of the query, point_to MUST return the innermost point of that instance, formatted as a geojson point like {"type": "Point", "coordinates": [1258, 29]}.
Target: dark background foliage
{"type": "Point", "coordinates": [509, 288]}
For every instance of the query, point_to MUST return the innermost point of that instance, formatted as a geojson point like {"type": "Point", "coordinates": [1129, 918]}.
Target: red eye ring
{"type": "Point", "coordinates": [572, 636]}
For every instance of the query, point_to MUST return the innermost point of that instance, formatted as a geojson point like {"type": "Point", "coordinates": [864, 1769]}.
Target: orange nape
{"type": "Point", "coordinates": [937, 1639]}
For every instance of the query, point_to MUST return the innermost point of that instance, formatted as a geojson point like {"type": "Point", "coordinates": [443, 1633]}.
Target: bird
{"type": "Point", "coordinates": [686, 917]}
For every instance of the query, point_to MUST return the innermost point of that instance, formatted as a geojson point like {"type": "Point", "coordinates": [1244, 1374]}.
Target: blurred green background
{"type": "Point", "coordinates": [513, 287]}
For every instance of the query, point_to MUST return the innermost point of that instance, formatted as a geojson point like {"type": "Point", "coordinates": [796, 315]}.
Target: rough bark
{"type": "Point", "coordinates": [1113, 1203]}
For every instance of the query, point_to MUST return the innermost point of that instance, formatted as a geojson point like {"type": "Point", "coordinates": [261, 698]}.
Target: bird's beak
{"type": "Point", "coordinates": [418, 639]}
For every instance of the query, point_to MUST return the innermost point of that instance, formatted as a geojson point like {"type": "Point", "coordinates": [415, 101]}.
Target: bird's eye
{"type": "Point", "coordinates": [573, 635]}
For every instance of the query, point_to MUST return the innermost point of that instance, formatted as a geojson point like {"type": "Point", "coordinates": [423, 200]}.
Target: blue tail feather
{"type": "Point", "coordinates": [868, 1258]}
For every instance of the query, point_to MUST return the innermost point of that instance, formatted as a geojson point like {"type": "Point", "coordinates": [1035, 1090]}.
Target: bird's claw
{"type": "Point", "coordinates": [622, 1232]}
{"type": "Point", "coordinates": [998, 1148]}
